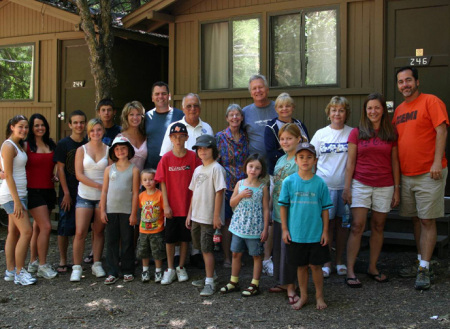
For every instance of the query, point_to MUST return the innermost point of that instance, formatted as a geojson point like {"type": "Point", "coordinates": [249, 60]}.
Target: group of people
{"type": "Point", "coordinates": [162, 182]}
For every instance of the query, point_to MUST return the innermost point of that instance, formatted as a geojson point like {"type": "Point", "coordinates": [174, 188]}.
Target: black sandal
{"type": "Point", "coordinates": [226, 290]}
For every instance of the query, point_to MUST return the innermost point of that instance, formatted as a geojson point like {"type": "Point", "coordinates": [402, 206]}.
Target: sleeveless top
{"type": "Point", "coordinates": [120, 190]}
{"type": "Point", "coordinates": [39, 169]}
{"type": "Point", "coordinates": [19, 175]}
{"type": "Point", "coordinates": [94, 171]}
{"type": "Point", "coordinates": [140, 155]}
{"type": "Point", "coordinates": [248, 220]}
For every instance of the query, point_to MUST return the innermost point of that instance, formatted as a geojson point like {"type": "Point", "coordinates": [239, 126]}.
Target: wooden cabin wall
{"type": "Point", "coordinates": [21, 25]}
{"type": "Point", "coordinates": [361, 63]}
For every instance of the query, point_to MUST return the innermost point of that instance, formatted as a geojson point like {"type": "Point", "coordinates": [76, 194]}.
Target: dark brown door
{"type": "Point", "coordinates": [415, 25]}
{"type": "Point", "coordinates": [77, 84]}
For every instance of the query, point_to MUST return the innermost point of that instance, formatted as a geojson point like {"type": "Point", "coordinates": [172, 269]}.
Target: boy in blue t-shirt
{"type": "Point", "coordinates": [304, 202]}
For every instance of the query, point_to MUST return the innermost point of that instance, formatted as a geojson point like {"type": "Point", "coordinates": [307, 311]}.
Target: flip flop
{"type": "Point", "coordinates": [293, 299]}
{"type": "Point", "coordinates": [277, 288]}
{"type": "Point", "coordinates": [341, 269]}
{"type": "Point", "coordinates": [326, 271]}
{"type": "Point", "coordinates": [353, 285]}
{"type": "Point", "coordinates": [378, 277]}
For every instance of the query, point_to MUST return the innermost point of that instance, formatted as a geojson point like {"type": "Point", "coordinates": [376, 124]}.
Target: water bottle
{"type": "Point", "coordinates": [346, 216]}
{"type": "Point", "coordinates": [217, 238]}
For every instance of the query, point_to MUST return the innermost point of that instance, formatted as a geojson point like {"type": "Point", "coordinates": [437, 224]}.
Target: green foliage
{"type": "Point", "coordinates": [246, 51]}
{"type": "Point", "coordinates": [16, 72]}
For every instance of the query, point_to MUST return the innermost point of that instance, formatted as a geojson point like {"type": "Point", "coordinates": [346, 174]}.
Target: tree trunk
{"type": "Point", "coordinates": [100, 47]}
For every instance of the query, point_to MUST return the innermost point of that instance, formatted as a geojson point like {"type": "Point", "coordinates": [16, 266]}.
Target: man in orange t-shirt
{"type": "Point", "coordinates": [421, 122]}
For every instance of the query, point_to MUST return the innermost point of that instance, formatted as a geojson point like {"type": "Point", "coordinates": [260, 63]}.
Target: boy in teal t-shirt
{"type": "Point", "coordinates": [305, 197]}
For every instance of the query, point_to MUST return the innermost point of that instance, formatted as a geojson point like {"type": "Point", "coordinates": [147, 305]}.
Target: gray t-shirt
{"type": "Point", "coordinates": [155, 127]}
{"type": "Point", "coordinates": [255, 121]}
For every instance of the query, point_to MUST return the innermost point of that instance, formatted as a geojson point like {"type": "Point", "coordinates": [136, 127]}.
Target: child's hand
{"type": "Point", "coordinates": [104, 218]}
{"type": "Point", "coordinates": [286, 237]}
{"type": "Point", "coordinates": [264, 235]}
{"type": "Point", "coordinates": [324, 239]}
{"type": "Point", "coordinates": [217, 223]}
{"type": "Point", "coordinates": [247, 193]}
{"type": "Point", "coordinates": [133, 220]}
{"type": "Point", "coordinates": [188, 222]}
{"type": "Point", "coordinates": [168, 212]}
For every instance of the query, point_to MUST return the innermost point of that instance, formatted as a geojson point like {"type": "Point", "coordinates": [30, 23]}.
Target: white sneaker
{"type": "Point", "coordinates": [9, 275]}
{"type": "Point", "coordinates": [98, 270]}
{"type": "Point", "coordinates": [24, 278]}
{"type": "Point", "coordinates": [33, 267]}
{"type": "Point", "coordinates": [182, 274]}
{"type": "Point", "coordinates": [158, 276]}
{"type": "Point", "coordinates": [208, 290]}
{"type": "Point", "coordinates": [268, 267]}
{"type": "Point", "coordinates": [77, 270]}
{"type": "Point", "coordinates": [169, 276]}
{"type": "Point", "coordinates": [46, 272]}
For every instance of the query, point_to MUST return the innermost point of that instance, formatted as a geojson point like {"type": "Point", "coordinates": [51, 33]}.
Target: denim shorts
{"type": "Point", "coordinates": [9, 206]}
{"type": "Point", "coordinates": [85, 203]}
{"type": "Point", "coordinates": [254, 246]}
{"type": "Point", "coordinates": [338, 204]}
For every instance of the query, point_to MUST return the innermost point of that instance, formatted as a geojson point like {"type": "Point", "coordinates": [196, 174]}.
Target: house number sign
{"type": "Point", "coordinates": [420, 60]}
{"type": "Point", "coordinates": [78, 84]}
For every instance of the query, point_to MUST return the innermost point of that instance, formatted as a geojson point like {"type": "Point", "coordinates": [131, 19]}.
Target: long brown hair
{"type": "Point", "coordinates": [366, 130]}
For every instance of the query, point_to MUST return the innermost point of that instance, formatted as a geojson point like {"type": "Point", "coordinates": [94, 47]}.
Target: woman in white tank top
{"type": "Point", "coordinates": [91, 161]}
{"type": "Point", "coordinates": [13, 198]}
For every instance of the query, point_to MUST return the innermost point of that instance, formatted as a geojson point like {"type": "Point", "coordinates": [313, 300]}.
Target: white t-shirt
{"type": "Point", "coordinates": [201, 129]}
{"type": "Point", "coordinates": [206, 181]}
{"type": "Point", "coordinates": [332, 152]}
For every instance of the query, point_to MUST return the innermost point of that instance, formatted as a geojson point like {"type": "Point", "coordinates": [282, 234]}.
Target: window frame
{"type": "Point", "coordinates": [271, 58]}
{"type": "Point", "coordinates": [230, 51]}
{"type": "Point", "coordinates": [33, 72]}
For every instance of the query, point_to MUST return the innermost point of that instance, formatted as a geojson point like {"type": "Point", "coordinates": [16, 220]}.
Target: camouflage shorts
{"type": "Point", "coordinates": [151, 245]}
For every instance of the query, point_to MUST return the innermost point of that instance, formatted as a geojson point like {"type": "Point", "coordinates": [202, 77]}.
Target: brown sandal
{"type": "Point", "coordinates": [226, 290]}
{"type": "Point", "coordinates": [252, 290]}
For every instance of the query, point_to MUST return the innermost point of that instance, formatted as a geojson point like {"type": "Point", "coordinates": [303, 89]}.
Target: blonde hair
{"type": "Point", "coordinates": [284, 98]}
{"type": "Point", "coordinates": [338, 100]}
{"type": "Point", "coordinates": [134, 105]}
{"type": "Point", "coordinates": [291, 128]}
{"type": "Point", "coordinates": [92, 123]}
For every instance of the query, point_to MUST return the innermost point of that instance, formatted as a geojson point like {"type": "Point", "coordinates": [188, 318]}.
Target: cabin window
{"type": "Point", "coordinates": [304, 48]}
{"type": "Point", "coordinates": [230, 53]}
{"type": "Point", "coordinates": [16, 72]}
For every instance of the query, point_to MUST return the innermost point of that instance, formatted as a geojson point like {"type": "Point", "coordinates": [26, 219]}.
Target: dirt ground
{"type": "Point", "coordinates": [59, 303]}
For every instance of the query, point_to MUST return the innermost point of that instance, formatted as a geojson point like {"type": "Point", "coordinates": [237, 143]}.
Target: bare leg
{"type": "Point", "coordinates": [63, 244]}
{"type": "Point", "coordinates": [183, 253]}
{"type": "Point", "coordinates": [354, 239]}
{"type": "Point", "coordinates": [257, 267]}
{"type": "Point", "coordinates": [317, 276]}
{"type": "Point", "coordinates": [331, 227]}
{"type": "Point", "coordinates": [417, 228]}
{"type": "Point", "coordinates": [428, 238]}
{"type": "Point", "coordinates": [208, 257]}
{"type": "Point", "coordinates": [10, 244]}
{"type": "Point", "coordinates": [83, 220]}
{"type": "Point", "coordinates": [33, 241]}
{"type": "Point", "coordinates": [236, 264]}
{"type": "Point", "coordinates": [158, 263]}
{"type": "Point", "coordinates": [302, 274]}
{"type": "Point", "coordinates": [42, 229]}
{"type": "Point", "coordinates": [341, 240]}
{"type": "Point", "coordinates": [99, 236]}
{"type": "Point", "coordinates": [25, 229]}
{"type": "Point", "coordinates": [376, 239]}
{"type": "Point", "coordinates": [170, 252]}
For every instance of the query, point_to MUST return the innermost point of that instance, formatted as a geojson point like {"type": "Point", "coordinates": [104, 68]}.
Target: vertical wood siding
{"type": "Point", "coordinates": [16, 20]}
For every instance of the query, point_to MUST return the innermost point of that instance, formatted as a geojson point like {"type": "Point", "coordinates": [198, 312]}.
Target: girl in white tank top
{"type": "Point", "coordinates": [13, 196]}
{"type": "Point", "coordinates": [91, 161]}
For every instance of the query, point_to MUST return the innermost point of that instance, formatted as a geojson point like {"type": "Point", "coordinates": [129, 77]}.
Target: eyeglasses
{"type": "Point", "coordinates": [192, 106]}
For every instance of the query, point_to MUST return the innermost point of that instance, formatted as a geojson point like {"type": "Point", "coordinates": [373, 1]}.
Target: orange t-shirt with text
{"type": "Point", "coordinates": [415, 123]}
{"type": "Point", "coordinates": [152, 212]}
